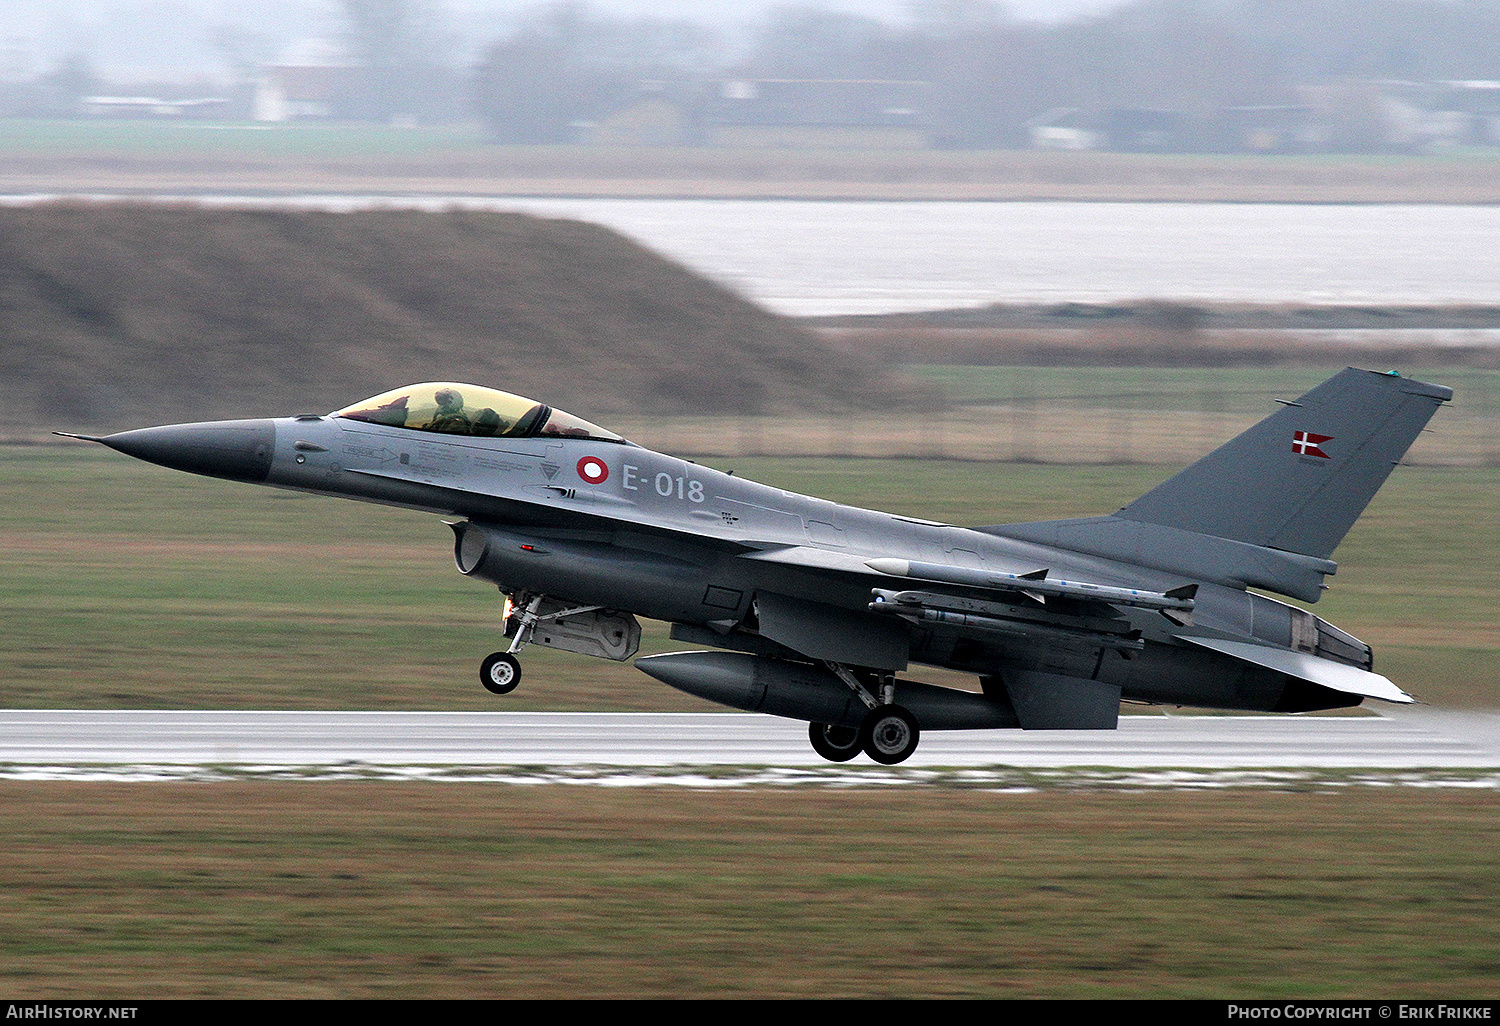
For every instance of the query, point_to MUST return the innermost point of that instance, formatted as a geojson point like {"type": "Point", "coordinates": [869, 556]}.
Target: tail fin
{"type": "Point", "coordinates": [1299, 479]}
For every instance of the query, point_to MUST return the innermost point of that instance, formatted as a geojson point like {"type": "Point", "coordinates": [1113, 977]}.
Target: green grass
{"type": "Point", "coordinates": [104, 136]}
{"type": "Point", "coordinates": [105, 155]}
{"type": "Point", "coordinates": [126, 585]}
{"type": "Point", "coordinates": [1065, 414]}
{"type": "Point", "coordinates": [1232, 391]}
{"type": "Point", "coordinates": [129, 586]}
{"type": "Point", "coordinates": [372, 890]}
{"type": "Point", "coordinates": [140, 137]}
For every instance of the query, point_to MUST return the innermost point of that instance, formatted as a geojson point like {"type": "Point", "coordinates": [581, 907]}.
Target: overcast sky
{"type": "Point", "coordinates": [172, 39]}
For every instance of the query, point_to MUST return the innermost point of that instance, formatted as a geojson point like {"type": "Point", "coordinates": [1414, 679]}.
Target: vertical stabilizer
{"type": "Point", "coordinates": [1299, 479]}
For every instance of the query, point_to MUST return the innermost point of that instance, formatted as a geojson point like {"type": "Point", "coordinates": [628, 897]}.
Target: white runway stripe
{"type": "Point", "coordinates": [1412, 739]}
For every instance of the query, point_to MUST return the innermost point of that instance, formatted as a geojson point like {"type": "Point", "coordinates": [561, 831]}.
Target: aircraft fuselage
{"type": "Point", "coordinates": [626, 528]}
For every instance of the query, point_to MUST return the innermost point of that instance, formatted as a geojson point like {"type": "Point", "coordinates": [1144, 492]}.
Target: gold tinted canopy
{"type": "Point", "coordinates": [454, 408]}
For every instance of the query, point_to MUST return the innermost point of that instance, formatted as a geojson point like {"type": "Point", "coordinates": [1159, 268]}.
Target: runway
{"type": "Point", "coordinates": [74, 743]}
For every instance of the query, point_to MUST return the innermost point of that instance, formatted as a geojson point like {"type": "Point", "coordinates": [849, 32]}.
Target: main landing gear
{"type": "Point", "coordinates": [888, 734]}
{"type": "Point", "coordinates": [834, 743]}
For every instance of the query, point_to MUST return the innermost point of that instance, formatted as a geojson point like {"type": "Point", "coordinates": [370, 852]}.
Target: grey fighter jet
{"type": "Point", "coordinates": [812, 608]}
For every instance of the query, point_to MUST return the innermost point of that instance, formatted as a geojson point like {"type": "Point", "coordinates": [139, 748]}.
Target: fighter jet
{"type": "Point", "coordinates": [810, 609]}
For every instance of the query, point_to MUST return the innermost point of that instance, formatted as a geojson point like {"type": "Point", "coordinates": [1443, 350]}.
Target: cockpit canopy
{"type": "Point", "coordinates": [454, 408]}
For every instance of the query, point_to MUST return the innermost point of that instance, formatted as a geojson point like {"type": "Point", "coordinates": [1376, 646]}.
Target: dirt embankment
{"type": "Point", "coordinates": [115, 315]}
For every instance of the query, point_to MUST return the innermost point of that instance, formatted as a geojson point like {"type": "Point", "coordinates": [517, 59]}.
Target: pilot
{"type": "Point", "coordinates": [450, 413]}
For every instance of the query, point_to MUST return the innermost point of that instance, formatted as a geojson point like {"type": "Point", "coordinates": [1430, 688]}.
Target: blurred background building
{"type": "Point", "coordinates": [1261, 76]}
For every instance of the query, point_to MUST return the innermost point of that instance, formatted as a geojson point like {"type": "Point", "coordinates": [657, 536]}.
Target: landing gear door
{"type": "Point", "coordinates": [601, 633]}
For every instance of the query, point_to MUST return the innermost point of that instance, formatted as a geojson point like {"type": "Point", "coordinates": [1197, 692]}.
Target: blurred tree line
{"type": "Point", "coordinates": [990, 76]}
{"type": "Point", "coordinates": [404, 67]}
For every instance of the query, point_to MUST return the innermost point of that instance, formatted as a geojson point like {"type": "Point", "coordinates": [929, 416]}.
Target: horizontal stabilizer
{"type": "Point", "coordinates": [1185, 553]}
{"type": "Point", "coordinates": [1351, 680]}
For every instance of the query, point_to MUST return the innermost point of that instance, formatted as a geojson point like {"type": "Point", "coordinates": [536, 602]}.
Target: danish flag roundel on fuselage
{"type": "Point", "coordinates": [593, 470]}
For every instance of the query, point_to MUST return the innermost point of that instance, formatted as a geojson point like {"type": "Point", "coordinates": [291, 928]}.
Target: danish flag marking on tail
{"type": "Point", "coordinates": [1305, 443]}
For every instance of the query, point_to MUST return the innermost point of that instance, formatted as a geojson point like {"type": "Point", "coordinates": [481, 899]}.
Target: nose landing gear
{"type": "Point", "coordinates": [554, 623]}
{"type": "Point", "coordinates": [500, 673]}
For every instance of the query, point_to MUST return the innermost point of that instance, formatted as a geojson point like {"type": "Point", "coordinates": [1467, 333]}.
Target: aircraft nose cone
{"type": "Point", "coordinates": [239, 450]}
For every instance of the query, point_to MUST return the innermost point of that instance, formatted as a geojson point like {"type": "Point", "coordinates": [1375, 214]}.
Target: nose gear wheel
{"type": "Point", "coordinates": [500, 673]}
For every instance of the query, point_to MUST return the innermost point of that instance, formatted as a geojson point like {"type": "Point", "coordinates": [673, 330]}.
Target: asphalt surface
{"type": "Point", "coordinates": [1402, 739]}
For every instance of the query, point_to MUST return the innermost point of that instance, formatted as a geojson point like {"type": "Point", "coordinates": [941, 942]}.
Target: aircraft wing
{"type": "Point", "coordinates": [1038, 585]}
{"type": "Point", "coordinates": [1035, 586]}
{"type": "Point", "coordinates": [1065, 611]}
{"type": "Point", "coordinates": [972, 601]}
{"type": "Point", "coordinates": [809, 558]}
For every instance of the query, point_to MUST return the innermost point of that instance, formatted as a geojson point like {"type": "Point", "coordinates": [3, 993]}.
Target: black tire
{"type": "Point", "coordinates": [500, 673]}
{"type": "Point", "coordinates": [889, 734]}
{"type": "Point", "coordinates": [834, 743]}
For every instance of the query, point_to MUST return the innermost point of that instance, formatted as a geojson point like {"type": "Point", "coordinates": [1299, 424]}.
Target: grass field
{"type": "Point", "coordinates": [463, 890]}
{"type": "Point", "coordinates": [125, 585]}
{"type": "Point", "coordinates": [103, 154]}
{"type": "Point", "coordinates": [102, 138]}
{"type": "Point", "coordinates": [1048, 414]}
